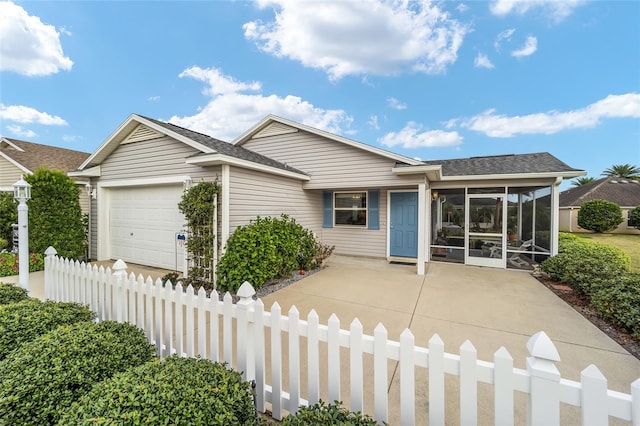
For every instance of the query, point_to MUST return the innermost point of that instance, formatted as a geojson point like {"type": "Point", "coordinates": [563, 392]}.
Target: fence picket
{"type": "Point", "coordinates": [355, 366]}
{"type": "Point", "coordinates": [407, 379]}
{"type": "Point", "coordinates": [503, 387]}
{"type": "Point", "coordinates": [468, 384]}
{"type": "Point", "coordinates": [161, 312]}
{"type": "Point", "coordinates": [380, 376]}
{"type": "Point", "coordinates": [313, 358]}
{"type": "Point", "coordinates": [294, 360]}
{"type": "Point", "coordinates": [276, 363]}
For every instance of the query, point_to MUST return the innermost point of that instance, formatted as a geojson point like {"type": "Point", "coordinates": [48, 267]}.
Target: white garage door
{"type": "Point", "coordinates": [143, 223]}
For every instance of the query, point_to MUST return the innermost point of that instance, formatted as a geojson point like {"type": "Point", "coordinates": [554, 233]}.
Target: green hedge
{"type": "Point", "coordinates": [619, 301]}
{"type": "Point", "coordinates": [22, 322]}
{"type": "Point", "coordinates": [331, 414]}
{"type": "Point", "coordinates": [11, 293]}
{"type": "Point", "coordinates": [586, 265]}
{"type": "Point", "coordinates": [599, 215]}
{"type": "Point", "coordinates": [266, 249]}
{"type": "Point", "coordinates": [174, 391]}
{"type": "Point", "coordinates": [42, 378]}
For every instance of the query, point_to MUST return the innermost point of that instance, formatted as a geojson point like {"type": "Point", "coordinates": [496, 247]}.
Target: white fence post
{"type": "Point", "coordinates": [244, 341]}
{"type": "Point", "coordinates": [544, 394]}
{"type": "Point", "coordinates": [120, 275]}
{"type": "Point", "coordinates": [407, 379]}
{"type": "Point", "coordinates": [594, 397]}
{"type": "Point", "coordinates": [50, 285]}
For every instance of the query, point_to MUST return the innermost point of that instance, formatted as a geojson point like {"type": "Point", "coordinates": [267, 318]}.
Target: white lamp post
{"type": "Point", "coordinates": [22, 192]}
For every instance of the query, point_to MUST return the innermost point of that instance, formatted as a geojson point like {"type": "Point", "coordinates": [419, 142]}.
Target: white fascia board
{"type": "Point", "coordinates": [218, 159]}
{"type": "Point", "coordinates": [555, 175]}
{"type": "Point", "coordinates": [126, 128]}
{"type": "Point", "coordinates": [94, 171]}
{"type": "Point", "coordinates": [360, 145]}
{"type": "Point", "coordinates": [8, 142]}
{"type": "Point", "coordinates": [417, 169]}
{"type": "Point", "coordinates": [161, 180]}
{"type": "Point", "coordinates": [15, 163]}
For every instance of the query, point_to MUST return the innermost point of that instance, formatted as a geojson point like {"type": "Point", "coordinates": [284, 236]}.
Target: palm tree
{"type": "Point", "coordinates": [582, 181]}
{"type": "Point", "coordinates": [625, 171]}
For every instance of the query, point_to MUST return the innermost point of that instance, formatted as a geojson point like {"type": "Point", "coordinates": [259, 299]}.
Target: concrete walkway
{"type": "Point", "coordinates": [490, 307]}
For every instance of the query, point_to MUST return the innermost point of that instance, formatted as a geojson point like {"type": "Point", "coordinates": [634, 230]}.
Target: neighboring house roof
{"type": "Point", "coordinates": [28, 156]}
{"type": "Point", "coordinates": [212, 151]}
{"type": "Point", "coordinates": [623, 192]}
{"type": "Point", "coordinates": [270, 119]}
{"type": "Point", "coordinates": [495, 166]}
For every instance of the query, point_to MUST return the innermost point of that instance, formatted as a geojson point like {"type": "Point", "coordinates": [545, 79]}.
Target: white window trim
{"type": "Point", "coordinates": [366, 210]}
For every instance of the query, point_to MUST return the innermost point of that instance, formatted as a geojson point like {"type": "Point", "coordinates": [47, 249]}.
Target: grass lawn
{"type": "Point", "coordinates": [629, 243]}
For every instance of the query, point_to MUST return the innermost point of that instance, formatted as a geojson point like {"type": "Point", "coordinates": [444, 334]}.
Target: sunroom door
{"type": "Point", "coordinates": [485, 234]}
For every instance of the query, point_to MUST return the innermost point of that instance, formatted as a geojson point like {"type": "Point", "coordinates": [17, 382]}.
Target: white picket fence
{"type": "Point", "coordinates": [250, 339]}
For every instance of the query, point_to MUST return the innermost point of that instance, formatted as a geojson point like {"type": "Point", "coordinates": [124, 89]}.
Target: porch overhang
{"type": "Point", "coordinates": [434, 174]}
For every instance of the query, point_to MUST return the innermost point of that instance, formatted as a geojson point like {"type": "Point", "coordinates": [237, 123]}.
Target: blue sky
{"type": "Point", "coordinates": [431, 80]}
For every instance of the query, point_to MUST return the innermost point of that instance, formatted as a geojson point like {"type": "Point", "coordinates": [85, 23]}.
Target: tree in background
{"type": "Point", "coordinates": [624, 171]}
{"type": "Point", "coordinates": [55, 216]}
{"type": "Point", "coordinates": [599, 215]}
{"type": "Point", "coordinates": [8, 216]}
{"type": "Point", "coordinates": [634, 217]}
{"type": "Point", "coordinates": [582, 181]}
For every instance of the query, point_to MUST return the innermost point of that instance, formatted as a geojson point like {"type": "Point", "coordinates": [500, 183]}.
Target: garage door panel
{"type": "Point", "coordinates": [143, 223]}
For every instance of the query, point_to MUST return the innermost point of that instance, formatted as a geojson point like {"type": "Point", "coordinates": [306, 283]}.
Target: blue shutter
{"type": "Point", "coordinates": [327, 209]}
{"type": "Point", "coordinates": [373, 201]}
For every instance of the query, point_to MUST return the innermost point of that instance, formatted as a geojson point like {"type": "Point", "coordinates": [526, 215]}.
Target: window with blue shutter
{"type": "Point", "coordinates": [327, 209]}
{"type": "Point", "coordinates": [374, 209]}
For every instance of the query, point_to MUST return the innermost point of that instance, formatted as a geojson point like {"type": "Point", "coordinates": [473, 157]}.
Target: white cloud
{"type": "Point", "coordinates": [396, 104]}
{"type": "Point", "coordinates": [411, 136]}
{"type": "Point", "coordinates": [231, 111]}
{"type": "Point", "coordinates": [373, 122]}
{"type": "Point", "coordinates": [462, 8]}
{"type": "Point", "coordinates": [529, 48]}
{"type": "Point", "coordinates": [27, 115]}
{"type": "Point", "coordinates": [482, 61]}
{"type": "Point", "coordinates": [153, 98]}
{"type": "Point", "coordinates": [20, 132]}
{"type": "Point", "coordinates": [70, 138]}
{"type": "Point", "coordinates": [29, 46]}
{"type": "Point", "coordinates": [557, 10]}
{"type": "Point", "coordinates": [502, 126]}
{"type": "Point", "coordinates": [504, 35]}
{"type": "Point", "coordinates": [360, 37]}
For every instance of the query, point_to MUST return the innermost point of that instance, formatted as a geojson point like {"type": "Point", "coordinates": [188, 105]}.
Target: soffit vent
{"type": "Point", "coordinates": [275, 129]}
{"type": "Point", "coordinates": [142, 133]}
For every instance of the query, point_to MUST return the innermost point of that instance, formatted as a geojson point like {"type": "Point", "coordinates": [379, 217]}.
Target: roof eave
{"type": "Point", "coordinates": [542, 175]}
{"type": "Point", "coordinates": [271, 118]}
{"type": "Point", "coordinates": [94, 171]}
{"type": "Point", "coordinates": [125, 129]}
{"type": "Point", "coordinates": [15, 163]}
{"type": "Point", "coordinates": [217, 159]}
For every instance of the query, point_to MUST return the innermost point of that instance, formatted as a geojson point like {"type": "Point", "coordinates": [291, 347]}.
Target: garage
{"type": "Point", "coordinates": [144, 222]}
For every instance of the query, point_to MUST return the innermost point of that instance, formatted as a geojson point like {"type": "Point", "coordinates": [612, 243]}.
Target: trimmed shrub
{"type": "Point", "coordinates": [23, 322]}
{"type": "Point", "coordinates": [40, 380]}
{"type": "Point", "coordinates": [634, 217]}
{"type": "Point", "coordinates": [586, 265]}
{"type": "Point", "coordinates": [173, 391]}
{"type": "Point", "coordinates": [619, 301]}
{"type": "Point", "coordinates": [266, 249]}
{"type": "Point", "coordinates": [599, 215]}
{"type": "Point", "coordinates": [9, 263]}
{"type": "Point", "coordinates": [8, 216]}
{"type": "Point", "coordinates": [55, 216]}
{"type": "Point", "coordinates": [323, 414]}
{"type": "Point", "coordinates": [10, 293]}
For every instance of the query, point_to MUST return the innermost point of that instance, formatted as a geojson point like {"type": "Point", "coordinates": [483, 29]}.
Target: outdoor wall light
{"type": "Point", "coordinates": [434, 195]}
{"type": "Point", "coordinates": [22, 193]}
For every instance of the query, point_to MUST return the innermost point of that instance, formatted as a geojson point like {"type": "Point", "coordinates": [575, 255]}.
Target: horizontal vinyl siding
{"type": "Point", "coordinates": [254, 193]}
{"type": "Point", "coordinates": [9, 173]}
{"type": "Point", "coordinates": [331, 164]}
{"type": "Point", "coordinates": [153, 158]}
{"type": "Point", "coordinates": [358, 241]}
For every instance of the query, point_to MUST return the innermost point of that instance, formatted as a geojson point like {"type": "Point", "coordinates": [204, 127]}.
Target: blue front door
{"type": "Point", "coordinates": [404, 224]}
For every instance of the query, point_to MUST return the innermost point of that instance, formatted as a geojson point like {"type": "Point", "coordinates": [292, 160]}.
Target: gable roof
{"type": "Point", "coordinates": [271, 119]}
{"type": "Point", "coordinates": [211, 150]}
{"type": "Point", "coordinates": [28, 156]}
{"type": "Point", "coordinates": [540, 164]}
{"type": "Point", "coordinates": [623, 192]}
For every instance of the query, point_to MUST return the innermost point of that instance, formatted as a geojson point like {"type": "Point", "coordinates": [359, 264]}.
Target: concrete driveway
{"type": "Point", "coordinates": [490, 307]}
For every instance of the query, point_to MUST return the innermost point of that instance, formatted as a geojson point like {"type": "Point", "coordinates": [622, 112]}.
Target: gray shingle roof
{"type": "Point", "coordinates": [541, 162]}
{"type": "Point", "coordinates": [623, 192]}
{"type": "Point", "coordinates": [224, 147]}
{"type": "Point", "coordinates": [34, 155]}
